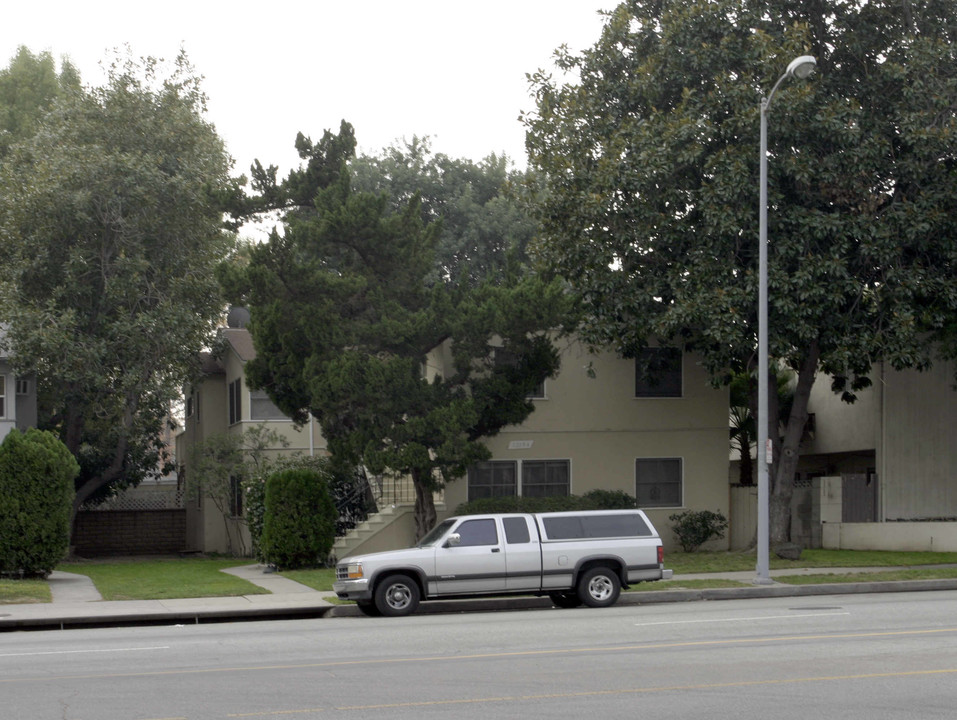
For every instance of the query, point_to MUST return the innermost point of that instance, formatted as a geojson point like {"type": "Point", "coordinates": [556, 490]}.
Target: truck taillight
{"type": "Point", "coordinates": [661, 555]}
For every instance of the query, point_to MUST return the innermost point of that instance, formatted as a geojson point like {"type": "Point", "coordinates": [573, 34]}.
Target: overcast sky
{"type": "Point", "coordinates": [450, 69]}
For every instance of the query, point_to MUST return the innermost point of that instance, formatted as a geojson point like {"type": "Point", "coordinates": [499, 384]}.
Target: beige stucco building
{"type": "Point", "coordinates": [900, 439]}
{"type": "Point", "coordinates": [596, 425]}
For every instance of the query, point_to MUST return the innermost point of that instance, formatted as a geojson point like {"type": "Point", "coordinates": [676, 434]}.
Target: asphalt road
{"type": "Point", "coordinates": [850, 656]}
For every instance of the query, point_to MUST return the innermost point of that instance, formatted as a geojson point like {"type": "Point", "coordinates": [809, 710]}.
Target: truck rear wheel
{"type": "Point", "coordinates": [397, 595]}
{"type": "Point", "coordinates": [599, 587]}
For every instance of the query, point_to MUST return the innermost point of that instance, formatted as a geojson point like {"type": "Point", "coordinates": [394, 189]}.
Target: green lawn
{"type": "Point", "coordinates": [13, 592]}
{"type": "Point", "coordinates": [320, 579]}
{"type": "Point", "coordinates": [704, 562]}
{"type": "Point", "coordinates": [151, 579]}
{"type": "Point", "coordinates": [163, 579]}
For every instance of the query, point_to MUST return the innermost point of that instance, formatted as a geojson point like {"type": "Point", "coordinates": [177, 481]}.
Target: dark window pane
{"type": "Point", "coordinates": [658, 482]}
{"type": "Point", "coordinates": [563, 527]}
{"type": "Point", "coordinates": [516, 530]}
{"type": "Point", "coordinates": [606, 526]}
{"type": "Point", "coordinates": [658, 373]}
{"type": "Point", "coordinates": [545, 478]}
{"type": "Point", "coordinates": [492, 479]}
{"type": "Point", "coordinates": [477, 532]}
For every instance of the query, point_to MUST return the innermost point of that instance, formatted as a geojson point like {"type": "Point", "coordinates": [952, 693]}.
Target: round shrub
{"type": "Point", "coordinates": [36, 498]}
{"type": "Point", "coordinates": [693, 528]}
{"type": "Point", "coordinates": [299, 526]}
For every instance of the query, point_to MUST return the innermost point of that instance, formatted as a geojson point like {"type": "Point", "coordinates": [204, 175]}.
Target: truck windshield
{"type": "Point", "coordinates": [435, 534]}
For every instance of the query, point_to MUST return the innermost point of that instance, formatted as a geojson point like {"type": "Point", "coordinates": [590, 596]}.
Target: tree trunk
{"type": "Point", "coordinates": [787, 448]}
{"type": "Point", "coordinates": [424, 503]}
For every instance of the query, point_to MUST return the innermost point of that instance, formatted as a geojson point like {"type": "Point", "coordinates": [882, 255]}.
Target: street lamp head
{"type": "Point", "coordinates": [801, 67]}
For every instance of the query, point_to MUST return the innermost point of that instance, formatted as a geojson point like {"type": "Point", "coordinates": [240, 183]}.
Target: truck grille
{"type": "Point", "coordinates": [342, 572]}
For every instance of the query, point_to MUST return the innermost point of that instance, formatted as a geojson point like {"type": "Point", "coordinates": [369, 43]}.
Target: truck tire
{"type": "Point", "coordinates": [599, 587]}
{"type": "Point", "coordinates": [397, 595]}
{"type": "Point", "coordinates": [565, 599]}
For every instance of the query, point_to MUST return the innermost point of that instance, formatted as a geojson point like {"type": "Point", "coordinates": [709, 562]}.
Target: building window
{"type": "Point", "coordinates": [235, 496]}
{"type": "Point", "coordinates": [235, 401]}
{"type": "Point", "coordinates": [546, 478]}
{"type": "Point", "coordinates": [496, 478]}
{"type": "Point", "coordinates": [507, 359]}
{"type": "Point", "coordinates": [658, 482]}
{"type": "Point", "coordinates": [658, 373]}
{"type": "Point", "coordinates": [3, 396]}
{"type": "Point", "coordinates": [538, 393]}
{"type": "Point", "coordinates": [262, 408]}
{"type": "Point", "coordinates": [539, 478]}
{"type": "Point", "coordinates": [23, 386]}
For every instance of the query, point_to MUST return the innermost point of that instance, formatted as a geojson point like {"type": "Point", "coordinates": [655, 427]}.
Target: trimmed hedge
{"type": "Point", "coordinates": [36, 498]}
{"type": "Point", "coordinates": [299, 526]}
{"type": "Point", "coordinates": [592, 500]}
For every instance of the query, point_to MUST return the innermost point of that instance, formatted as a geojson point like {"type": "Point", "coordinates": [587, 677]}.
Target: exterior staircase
{"type": "Point", "coordinates": [389, 528]}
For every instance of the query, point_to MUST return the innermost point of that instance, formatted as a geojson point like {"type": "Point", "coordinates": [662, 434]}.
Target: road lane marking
{"type": "Point", "coordinates": [597, 693]}
{"type": "Point", "coordinates": [81, 652]}
{"type": "Point", "coordinates": [637, 691]}
{"type": "Point", "coordinates": [487, 656]}
{"type": "Point", "coordinates": [742, 619]}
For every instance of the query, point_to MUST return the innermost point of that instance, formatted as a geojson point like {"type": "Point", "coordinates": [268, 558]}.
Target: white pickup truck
{"type": "Point", "coordinates": [573, 557]}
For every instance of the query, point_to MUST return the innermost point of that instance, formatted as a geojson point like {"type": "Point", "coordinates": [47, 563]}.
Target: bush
{"type": "Point", "coordinates": [593, 500]}
{"type": "Point", "coordinates": [299, 526]}
{"type": "Point", "coordinates": [36, 499]}
{"type": "Point", "coordinates": [693, 528]}
{"type": "Point", "coordinates": [609, 500]}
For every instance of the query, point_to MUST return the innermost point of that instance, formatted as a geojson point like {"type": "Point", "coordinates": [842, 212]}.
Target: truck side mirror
{"type": "Point", "coordinates": [453, 540]}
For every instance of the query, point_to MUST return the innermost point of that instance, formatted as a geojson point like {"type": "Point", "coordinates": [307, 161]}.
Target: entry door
{"type": "Point", "coordinates": [476, 564]}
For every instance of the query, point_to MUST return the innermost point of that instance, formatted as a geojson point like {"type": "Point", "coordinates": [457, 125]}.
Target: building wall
{"type": "Point", "coordinates": [919, 456]}
{"type": "Point", "coordinates": [208, 531]}
{"type": "Point", "coordinates": [598, 424]}
{"type": "Point", "coordinates": [841, 427]}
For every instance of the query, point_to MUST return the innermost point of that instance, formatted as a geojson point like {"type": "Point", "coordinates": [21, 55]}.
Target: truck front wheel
{"type": "Point", "coordinates": [397, 595]}
{"type": "Point", "coordinates": [599, 587]}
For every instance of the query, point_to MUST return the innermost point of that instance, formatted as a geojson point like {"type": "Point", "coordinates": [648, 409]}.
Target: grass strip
{"type": "Point", "coordinates": [923, 573]}
{"type": "Point", "coordinates": [15, 592]}
{"type": "Point", "coordinates": [686, 585]}
{"type": "Point", "coordinates": [320, 579]}
{"type": "Point", "coordinates": [705, 562]}
{"type": "Point", "coordinates": [139, 579]}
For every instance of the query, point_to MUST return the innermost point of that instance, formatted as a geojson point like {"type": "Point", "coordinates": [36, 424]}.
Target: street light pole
{"type": "Point", "coordinates": [800, 68]}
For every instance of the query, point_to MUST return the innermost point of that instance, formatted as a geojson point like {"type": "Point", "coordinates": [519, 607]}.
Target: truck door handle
{"type": "Point", "coordinates": [496, 549]}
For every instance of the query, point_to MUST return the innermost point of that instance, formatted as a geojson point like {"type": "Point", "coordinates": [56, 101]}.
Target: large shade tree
{"type": "Point", "coordinates": [346, 306]}
{"type": "Point", "coordinates": [647, 152]}
{"type": "Point", "coordinates": [110, 230]}
{"type": "Point", "coordinates": [28, 88]}
{"type": "Point", "coordinates": [484, 224]}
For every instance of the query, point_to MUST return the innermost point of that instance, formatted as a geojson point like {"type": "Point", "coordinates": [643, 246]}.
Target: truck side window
{"type": "Point", "coordinates": [516, 530]}
{"type": "Point", "coordinates": [477, 532]}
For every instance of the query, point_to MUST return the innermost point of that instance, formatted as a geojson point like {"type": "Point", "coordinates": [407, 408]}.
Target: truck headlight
{"type": "Point", "coordinates": [354, 571]}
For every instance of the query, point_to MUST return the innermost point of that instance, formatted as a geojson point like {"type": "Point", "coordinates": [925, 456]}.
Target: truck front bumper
{"type": "Point", "coordinates": [352, 589]}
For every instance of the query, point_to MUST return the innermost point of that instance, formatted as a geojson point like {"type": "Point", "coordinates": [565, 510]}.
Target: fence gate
{"type": "Point", "coordinates": [859, 497]}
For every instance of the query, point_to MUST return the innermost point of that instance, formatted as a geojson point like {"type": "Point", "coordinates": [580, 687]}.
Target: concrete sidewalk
{"type": "Point", "coordinates": [76, 602]}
